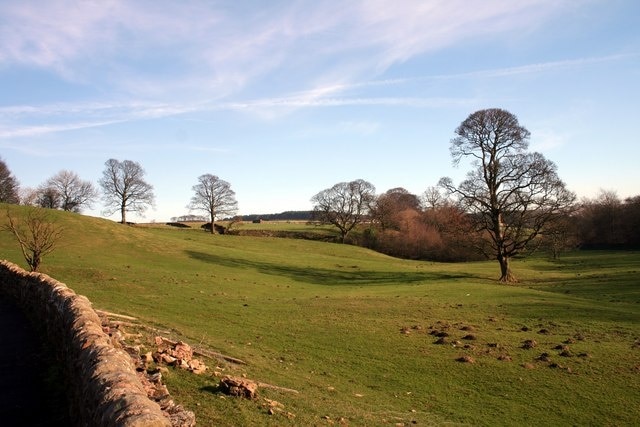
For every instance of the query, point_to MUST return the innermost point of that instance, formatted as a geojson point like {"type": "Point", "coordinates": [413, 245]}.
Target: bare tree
{"type": "Point", "coordinates": [215, 197]}
{"type": "Point", "coordinates": [68, 191]}
{"type": "Point", "coordinates": [8, 185]}
{"type": "Point", "coordinates": [47, 197]}
{"type": "Point", "coordinates": [28, 196]}
{"type": "Point", "coordinates": [510, 194]}
{"type": "Point", "coordinates": [36, 233]}
{"type": "Point", "coordinates": [344, 205]}
{"type": "Point", "coordinates": [433, 198]}
{"type": "Point", "coordinates": [124, 188]}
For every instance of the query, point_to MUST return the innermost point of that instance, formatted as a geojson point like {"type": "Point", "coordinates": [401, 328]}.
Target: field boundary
{"type": "Point", "coordinates": [104, 387]}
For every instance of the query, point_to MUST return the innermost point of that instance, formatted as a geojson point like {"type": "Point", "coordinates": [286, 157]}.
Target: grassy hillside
{"type": "Point", "coordinates": [351, 329]}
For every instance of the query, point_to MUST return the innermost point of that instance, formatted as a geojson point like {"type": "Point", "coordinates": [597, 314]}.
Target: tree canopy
{"type": "Point", "coordinates": [65, 190]}
{"type": "Point", "coordinates": [213, 196]}
{"type": "Point", "coordinates": [124, 188]}
{"type": "Point", "coordinates": [344, 205]}
{"type": "Point", "coordinates": [510, 194]}
{"type": "Point", "coordinates": [8, 185]}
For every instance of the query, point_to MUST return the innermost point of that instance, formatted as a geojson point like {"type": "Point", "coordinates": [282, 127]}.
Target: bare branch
{"type": "Point", "coordinates": [36, 233]}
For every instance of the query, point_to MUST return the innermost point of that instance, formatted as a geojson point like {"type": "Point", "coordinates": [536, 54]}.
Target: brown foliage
{"type": "Point", "coordinates": [435, 234]}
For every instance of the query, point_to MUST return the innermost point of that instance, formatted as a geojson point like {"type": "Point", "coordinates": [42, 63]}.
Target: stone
{"type": "Point", "coordinates": [241, 387]}
{"type": "Point", "coordinates": [165, 358]}
{"type": "Point", "coordinates": [182, 351]}
{"type": "Point", "coordinates": [197, 367]}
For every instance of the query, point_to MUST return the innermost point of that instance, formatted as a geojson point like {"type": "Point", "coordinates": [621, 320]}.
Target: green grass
{"type": "Point", "coordinates": [327, 320]}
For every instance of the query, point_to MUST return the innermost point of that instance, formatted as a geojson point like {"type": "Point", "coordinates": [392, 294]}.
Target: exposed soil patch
{"type": "Point", "coordinates": [544, 357]}
{"type": "Point", "coordinates": [466, 359]}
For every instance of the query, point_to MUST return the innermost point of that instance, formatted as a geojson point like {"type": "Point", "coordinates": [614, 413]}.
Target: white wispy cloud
{"type": "Point", "coordinates": [216, 48]}
{"type": "Point", "coordinates": [39, 130]}
{"type": "Point", "coordinates": [179, 58]}
{"type": "Point", "coordinates": [97, 114]}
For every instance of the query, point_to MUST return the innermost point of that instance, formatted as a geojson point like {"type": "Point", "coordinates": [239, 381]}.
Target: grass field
{"type": "Point", "coordinates": [353, 330]}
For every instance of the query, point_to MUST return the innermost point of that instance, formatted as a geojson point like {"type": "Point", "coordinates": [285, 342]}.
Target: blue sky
{"type": "Point", "coordinates": [283, 99]}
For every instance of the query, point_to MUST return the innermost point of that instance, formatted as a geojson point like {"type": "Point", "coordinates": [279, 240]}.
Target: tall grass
{"type": "Point", "coordinates": [350, 329]}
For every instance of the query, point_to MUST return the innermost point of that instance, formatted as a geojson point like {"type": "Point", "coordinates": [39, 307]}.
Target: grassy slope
{"type": "Point", "coordinates": [326, 319]}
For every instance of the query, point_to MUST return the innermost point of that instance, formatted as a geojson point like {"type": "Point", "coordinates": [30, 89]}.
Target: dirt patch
{"type": "Point", "coordinates": [544, 357]}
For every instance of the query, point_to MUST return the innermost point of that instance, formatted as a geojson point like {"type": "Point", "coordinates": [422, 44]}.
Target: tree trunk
{"type": "Point", "coordinates": [123, 214]}
{"type": "Point", "coordinates": [507, 276]}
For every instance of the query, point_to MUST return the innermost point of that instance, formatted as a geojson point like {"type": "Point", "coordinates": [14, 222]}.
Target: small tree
{"type": "Point", "coordinates": [215, 197]}
{"type": "Point", "coordinates": [68, 191]}
{"type": "Point", "coordinates": [124, 188]}
{"type": "Point", "coordinates": [510, 194]}
{"type": "Point", "coordinates": [344, 205]}
{"type": "Point", "coordinates": [47, 197]}
{"type": "Point", "coordinates": [36, 233]}
{"type": "Point", "coordinates": [8, 185]}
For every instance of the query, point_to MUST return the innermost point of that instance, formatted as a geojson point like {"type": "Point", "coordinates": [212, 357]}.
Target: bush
{"type": "Point", "coordinates": [178, 224]}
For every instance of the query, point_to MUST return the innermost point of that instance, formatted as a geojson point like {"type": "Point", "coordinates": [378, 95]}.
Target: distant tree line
{"type": "Point", "coordinates": [607, 222]}
{"type": "Point", "coordinates": [283, 216]}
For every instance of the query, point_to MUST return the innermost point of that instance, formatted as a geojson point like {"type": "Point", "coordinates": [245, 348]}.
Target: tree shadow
{"type": "Point", "coordinates": [351, 276]}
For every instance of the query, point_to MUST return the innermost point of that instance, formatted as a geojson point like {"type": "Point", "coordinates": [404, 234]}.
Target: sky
{"type": "Point", "coordinates": [283, 99]}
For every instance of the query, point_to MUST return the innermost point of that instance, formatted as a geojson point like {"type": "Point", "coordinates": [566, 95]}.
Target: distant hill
{"type": "Point", "coordinates": [283, 216]}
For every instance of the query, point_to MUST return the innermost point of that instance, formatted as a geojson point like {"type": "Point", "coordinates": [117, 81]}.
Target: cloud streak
{"type": "Point", "coordinates": [95, 114]}
{"type": "Point", "coordinates": [202, 47]}
{"type": "Point", "coordinates": [172, 59]}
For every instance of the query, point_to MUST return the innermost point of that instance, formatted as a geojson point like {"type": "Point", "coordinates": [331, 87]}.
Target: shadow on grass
{"type": "Point", "coordinates": [351, 276]}
{"type": "Point", "coordinates": [213, 389]}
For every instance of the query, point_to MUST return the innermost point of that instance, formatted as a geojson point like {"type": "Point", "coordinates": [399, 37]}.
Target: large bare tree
{"type": "Point", "coordinates": [510, 194]}
{"type": "Point", "coordinates": [36, 232]}
{"type": "Point", "coordinates": [65, 190]}
{"type": "Point", "coordinates": [124, 188]}
{"type": "Point", "coordinates": [344, 205]}
{"type": "Point", "coordinates": [8, 185]}
{"type": "Point", "coordinates": [215, 197]}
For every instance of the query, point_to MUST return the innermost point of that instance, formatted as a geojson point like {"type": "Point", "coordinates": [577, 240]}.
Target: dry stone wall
{"type": "Point", "coordinates": [102, 379]}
